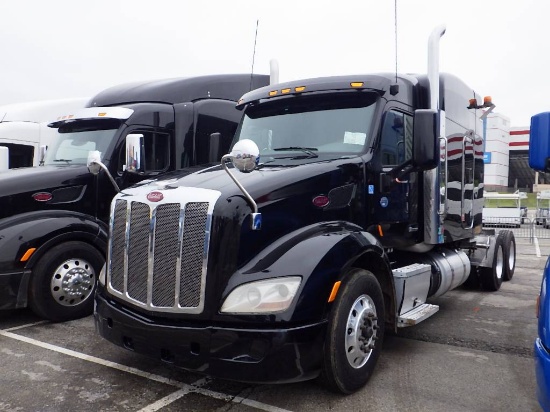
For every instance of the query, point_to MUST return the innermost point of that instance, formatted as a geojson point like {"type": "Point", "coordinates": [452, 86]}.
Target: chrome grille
{"type": "Point", "coordinates": [192, 253]}
{"type": "Point", "coordinates": [118, 234]}
{"type": "Point", "coordinates": [158, 251]}
{"type": "Point", "coordinates": [137, 251]}
{"type": "Point", "coordinates": [166, 254]}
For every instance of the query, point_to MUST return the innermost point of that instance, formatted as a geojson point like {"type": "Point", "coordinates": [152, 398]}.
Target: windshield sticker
{"type": "Point", "coordinates": [355, 138]}
{"type": "Point", "coordinates": [371, 189]}
{"type": "Point", "coordinates": [384, 202]}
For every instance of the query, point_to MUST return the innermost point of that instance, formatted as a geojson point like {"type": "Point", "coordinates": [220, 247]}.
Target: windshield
{"type": "Point", "coordinates": [73, 147]}
{"type": "Point", "coordinates": [309, 126]}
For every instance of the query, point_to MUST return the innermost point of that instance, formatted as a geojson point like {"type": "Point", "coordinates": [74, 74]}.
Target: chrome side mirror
{"type": "Point", "coordinates": [245, 155]}
{"type": "Point", "coordinates": [95, 165]}
{"type": "Point", "coordinates": [135, 154]}
{"type": "Point", "coordinates": [94, 162]}
{"type": "Point", "coordinates": [42, 154]}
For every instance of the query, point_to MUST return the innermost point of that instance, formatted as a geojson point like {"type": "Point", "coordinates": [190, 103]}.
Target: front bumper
{"type": "Point", "coordinates": [242, 354]}
{"type": "Point", "coordinates": [13, 289]}
{"type": "Point", "coordinates": [542, 371]}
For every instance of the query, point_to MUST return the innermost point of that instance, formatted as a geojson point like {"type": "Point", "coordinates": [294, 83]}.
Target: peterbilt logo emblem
{"type": "Point", "coordinates": [155, 197]}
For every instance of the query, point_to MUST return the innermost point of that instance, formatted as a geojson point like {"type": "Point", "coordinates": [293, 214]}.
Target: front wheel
{"type": "Point", "coordinates": [355, 333]}
{"type": "Point", "coordinates": [64, 280]}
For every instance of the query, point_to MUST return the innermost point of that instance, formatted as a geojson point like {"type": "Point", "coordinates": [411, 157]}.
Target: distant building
{"type": "Point", "coordinates": [506, 156]}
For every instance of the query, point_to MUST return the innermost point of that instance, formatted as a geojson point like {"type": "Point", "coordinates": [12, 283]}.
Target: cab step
{"type": "Point", "coordinates": [416, 315]}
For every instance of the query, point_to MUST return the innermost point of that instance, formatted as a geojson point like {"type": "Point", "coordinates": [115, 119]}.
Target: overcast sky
{"type": "Point", "coordinates": [75, 48]}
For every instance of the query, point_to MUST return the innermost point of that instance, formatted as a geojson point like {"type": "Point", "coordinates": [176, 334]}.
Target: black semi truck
{"type": "Point", "coordinates": [54, 218]}
{"type": "Point", "coordinates": [361, 198]}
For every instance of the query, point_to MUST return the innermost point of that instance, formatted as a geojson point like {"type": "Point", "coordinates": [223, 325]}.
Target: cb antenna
{"type": "Point", "coordinates": [254, 53]}
{"type": "Point", "coordinates": [394, 88]}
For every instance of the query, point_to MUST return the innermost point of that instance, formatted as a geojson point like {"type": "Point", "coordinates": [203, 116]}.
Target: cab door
{"type": "Point", "coordinates": [395, 195]}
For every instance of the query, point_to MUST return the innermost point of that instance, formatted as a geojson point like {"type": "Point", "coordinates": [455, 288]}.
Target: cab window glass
{"type": "Point", "coordinates": [396, 138]}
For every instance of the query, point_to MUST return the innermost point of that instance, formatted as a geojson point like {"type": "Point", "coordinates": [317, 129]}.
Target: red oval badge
{"type": "Point", "coordinates": [42, 196]}
{"type": "Point", "coordinates": [321, 201]}
{"type": "Point", "coordinates": [155, 197]}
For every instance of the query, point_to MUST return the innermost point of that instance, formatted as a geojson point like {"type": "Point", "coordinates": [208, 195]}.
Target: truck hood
{"type": "Point", "coordinates": [58, 183]}
{"type": "Point", "coordinates": [267, 184]}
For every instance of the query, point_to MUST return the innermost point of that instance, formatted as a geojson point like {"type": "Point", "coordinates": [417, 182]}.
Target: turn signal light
{"type": "Point", "coordinates": [334, 291]}
{"type": "Point", "coordinates": [357, 84]}
{"type": "Point", "coordinates": [27, 254]}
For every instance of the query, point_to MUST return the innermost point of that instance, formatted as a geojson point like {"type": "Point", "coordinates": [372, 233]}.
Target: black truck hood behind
{"type": "Point", "coordinates": [18, 185]}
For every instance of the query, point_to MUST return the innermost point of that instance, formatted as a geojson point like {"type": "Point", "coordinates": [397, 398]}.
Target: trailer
{"type": "Point", "coordinates": [24, 129]}
{"type": "Point", "coordinates": [348, 203]}
{"type": "Point", "coordinates": [504, 209]}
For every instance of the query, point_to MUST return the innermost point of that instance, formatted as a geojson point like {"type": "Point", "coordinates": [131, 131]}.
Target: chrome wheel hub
{"type": "Point", "coordinates": [73, 282]}
{"type": "Point", "coordinates": [361, 331]}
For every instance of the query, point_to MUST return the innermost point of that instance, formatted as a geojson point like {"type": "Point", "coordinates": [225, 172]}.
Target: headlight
{"type": "Point", "coordinates": [263, 296]}
{"type": "Point", "coordinates": [102, 275]}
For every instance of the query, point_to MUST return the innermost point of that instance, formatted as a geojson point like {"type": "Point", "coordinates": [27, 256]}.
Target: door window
{"type": "Point", "coordinates": [396, 138]}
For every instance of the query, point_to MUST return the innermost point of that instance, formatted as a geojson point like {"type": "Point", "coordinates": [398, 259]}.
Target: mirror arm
{"type": "Point", "coordinates": [403, 169]}
{"type": "Point", "coordinates": [225, 158]}
{"type": "Point", "coordinates": [100, 164]}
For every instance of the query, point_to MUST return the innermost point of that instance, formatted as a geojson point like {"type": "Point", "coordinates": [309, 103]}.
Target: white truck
{"type": "Point", "coordinates": [504, 209]}
{"type": "Point", "coordinates": [24, 129]}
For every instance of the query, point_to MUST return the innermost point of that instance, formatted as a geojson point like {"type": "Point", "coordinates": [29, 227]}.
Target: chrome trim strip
{"type": "Point", "coordinates": [151, 254]}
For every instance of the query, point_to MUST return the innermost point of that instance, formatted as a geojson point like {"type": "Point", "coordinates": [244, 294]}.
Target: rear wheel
{"type": "Point", "coordinates": [491, 277]}
{"type": "Point", "coordinates": [64, 280]}
{"type": "Point", "coordinates": [509, 245]}
{"type": "Point", "coordinates": [355, 333]}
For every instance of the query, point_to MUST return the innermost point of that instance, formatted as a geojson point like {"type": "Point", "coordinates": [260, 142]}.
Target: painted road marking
{"type": "Point", "coordinates": [184, 388]}
{"type": "Point", "coordinates": [537, 247]}
{"type": "Point", "coordinates": [28, 325]}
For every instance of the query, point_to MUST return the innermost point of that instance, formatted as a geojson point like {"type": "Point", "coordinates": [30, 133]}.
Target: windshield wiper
{"type": "Point", "coordinates": [307, 150]}
{"type": "Point", "coordinates": [63, 160]}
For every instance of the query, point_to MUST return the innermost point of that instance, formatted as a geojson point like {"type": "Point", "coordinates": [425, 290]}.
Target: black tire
{"type": "Point", "coordinates": [491, 277]}
{"type": "Point", "coordinates": [355, 333]}
{"type": "Point", "coordinates": [472, 282]}
{"type": "Point", "coordinates": [509, 244]}
{"type": "Point", "coordinates": [64, 280]}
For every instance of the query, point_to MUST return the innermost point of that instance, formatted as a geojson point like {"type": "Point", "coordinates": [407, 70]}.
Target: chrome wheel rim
{"type": "Point", "coordinates": [72, 282]}
{"type": "Point", "coordinates": [361, 331]}
{"type": "Point", "coordinates": [512, 256]}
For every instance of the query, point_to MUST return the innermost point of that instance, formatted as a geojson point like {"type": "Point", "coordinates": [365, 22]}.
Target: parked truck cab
{"type": "Point", "coordinates": [54, 218]}
{"type": "Point", "coordinates": [357, 202]}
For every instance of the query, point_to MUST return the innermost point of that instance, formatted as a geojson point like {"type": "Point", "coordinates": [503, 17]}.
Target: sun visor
{"type": "Point", "coordinates": [93, 113]}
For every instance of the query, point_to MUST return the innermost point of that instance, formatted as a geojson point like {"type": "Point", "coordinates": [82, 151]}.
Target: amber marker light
{"type": "Point", "coordinates": [356, 84]}
{"type": "Point", "coordinates": [286, 91]}
{"type": "Point", "coordinates": [334, 291]}
{"type": "Point", "coordinates": [299, 89]}
{"type": "Point", "coordinates": [380, 231]}
{"type": "Point", "coordinates": [472, 104]}
{"type": "Point", "coordinates": [102, 114]}
{"type": "Point", "coordinates": [273, 93]}
{"type": "Point", "coordinates": [27, 254]}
